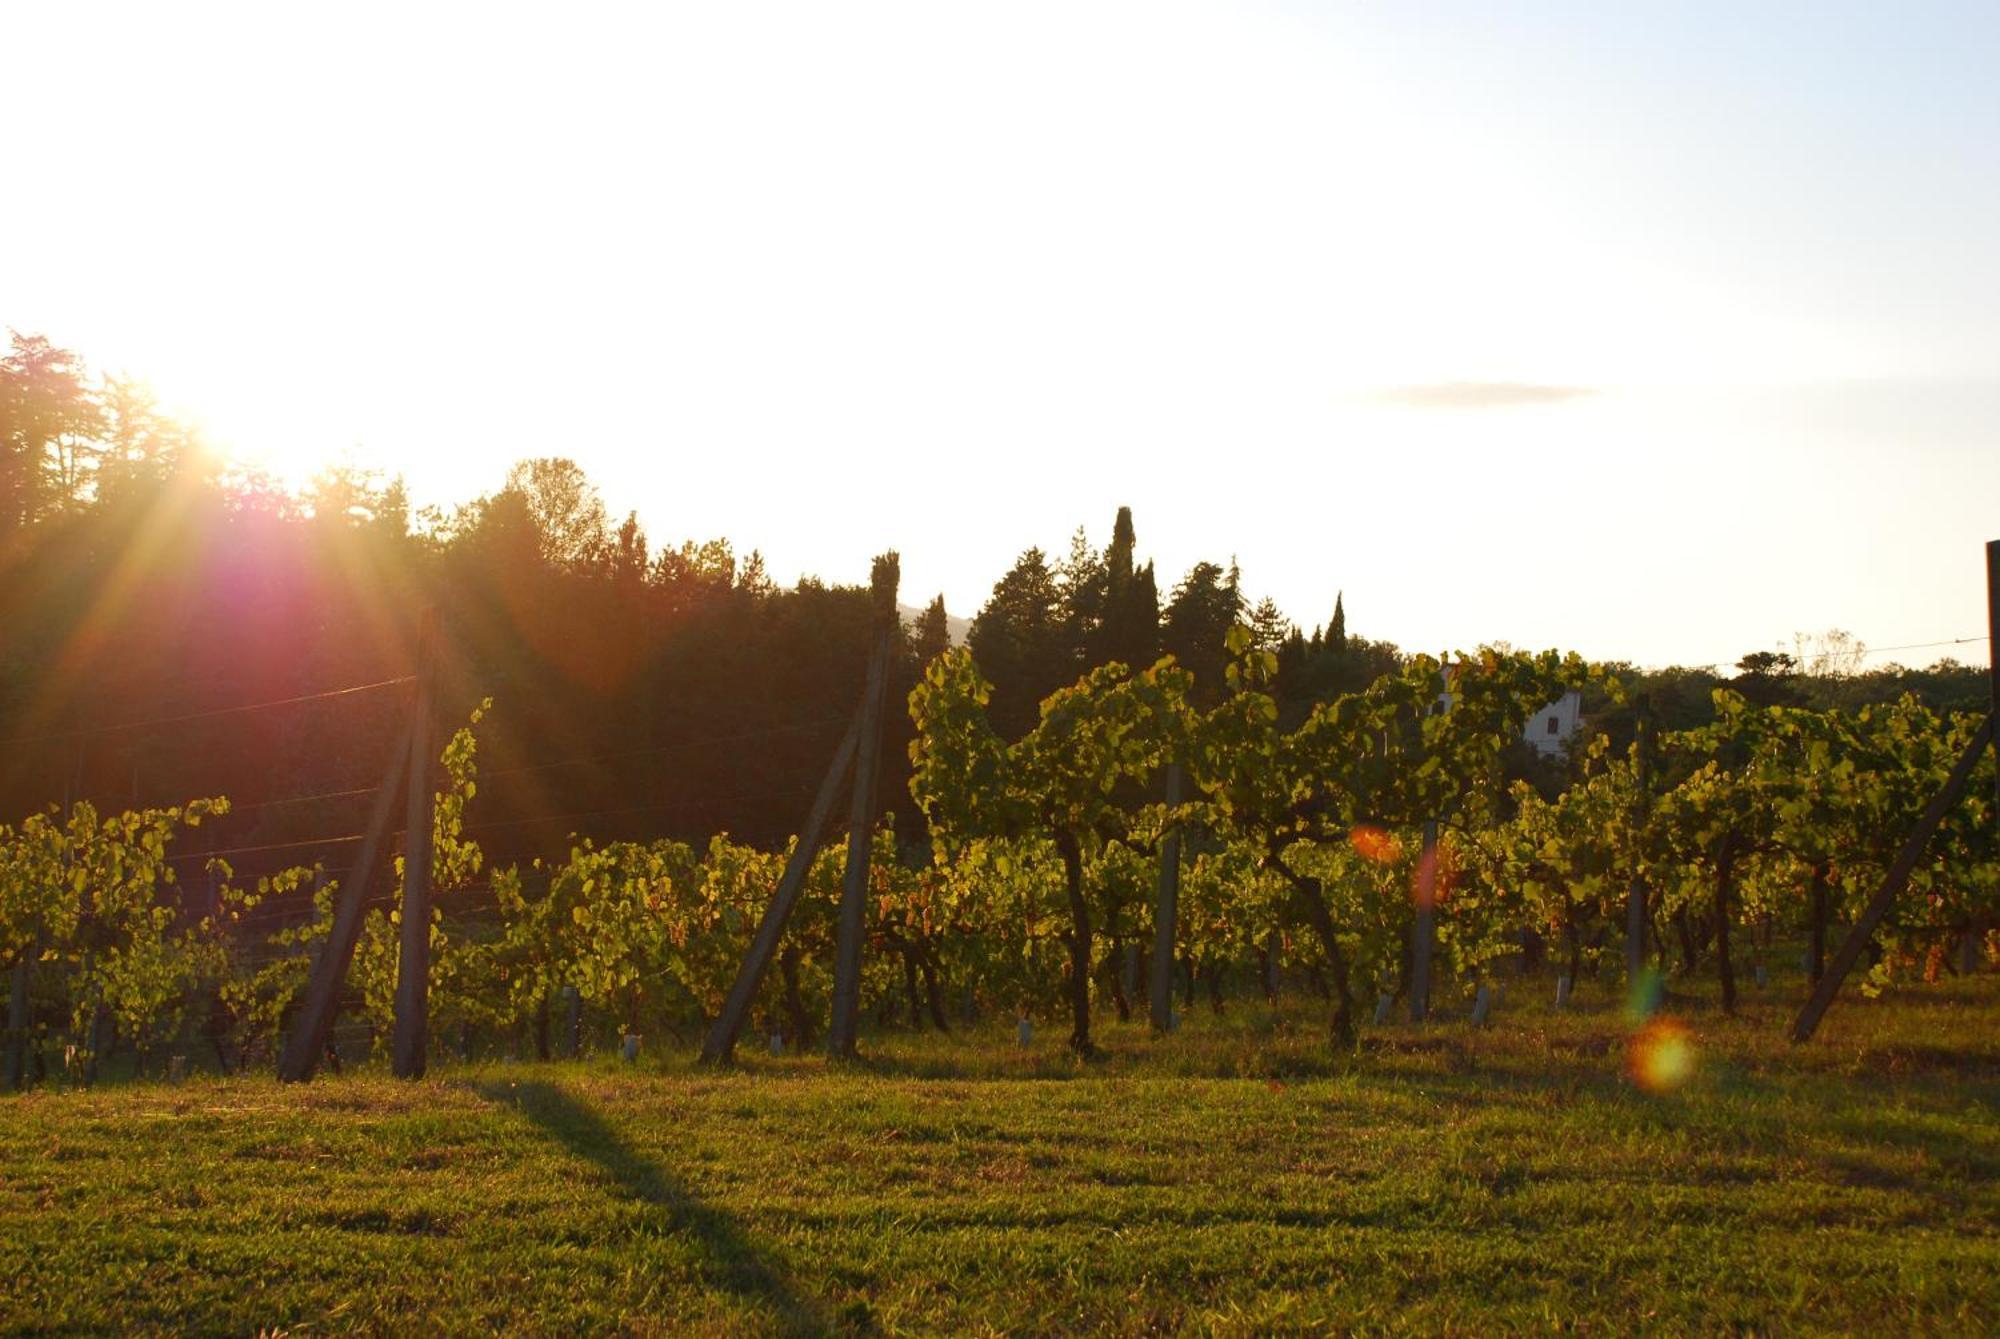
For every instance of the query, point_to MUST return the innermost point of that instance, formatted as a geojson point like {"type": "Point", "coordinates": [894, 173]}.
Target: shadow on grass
{"type": "Point", "coordinates": [732, 1262]}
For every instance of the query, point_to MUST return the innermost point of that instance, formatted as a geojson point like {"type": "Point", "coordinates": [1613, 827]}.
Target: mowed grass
{"type": "Point", "coordinates": [1233, 1179]}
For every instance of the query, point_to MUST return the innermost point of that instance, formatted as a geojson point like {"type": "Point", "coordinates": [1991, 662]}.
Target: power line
{"type": "Point", "coordinates": [235, 808]}
{"type": "Point", "coordinates": [397, 835]}
{"type": "Point", "coordinates": [268, 846]}
{"type": "Point", "coordinates": [664, 807]}
{"type": "Point", "coordinates": [679, 747]}
{"type": "Point", "coordinates": [1919, 646]}
{"type": "Point", "coordinates": [1867, 650]}
{"type": "Point", "coordinates": [87, 732]}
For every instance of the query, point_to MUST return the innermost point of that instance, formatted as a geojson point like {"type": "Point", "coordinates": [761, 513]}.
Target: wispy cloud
{"type": "Point", "coordinates": [1480, 394]}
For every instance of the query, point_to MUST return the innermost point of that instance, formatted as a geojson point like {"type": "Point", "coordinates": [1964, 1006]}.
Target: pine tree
{"type": "Point", "coordinates": [931, 637]}
{"type": "Point", "coordinates": [1131, 629]}
{"type": "Point", "coordinates": [1336, 631]}
{"type": "Point", "coordinates": [1195, 625]}
{"type": "Point", "coordinates": [1019, 642]}
{"type": "Point", "coordinates": [1268, 626]}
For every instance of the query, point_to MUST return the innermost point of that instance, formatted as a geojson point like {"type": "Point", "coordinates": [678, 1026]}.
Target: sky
{"type": "Point", "coordinates": [1658, 332]}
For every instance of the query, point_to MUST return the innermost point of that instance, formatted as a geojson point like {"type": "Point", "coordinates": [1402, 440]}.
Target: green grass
{"type": "Point", "coordinates": [1232, 1179]}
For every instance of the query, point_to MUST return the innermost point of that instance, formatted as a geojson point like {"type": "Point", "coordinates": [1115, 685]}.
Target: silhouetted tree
{"type": "Point", "coordinates": [1019, 641]}
{"type": "Point", "coordinates": [931, 637]}
{"type": "Point", "coordinates": [568, 513]}
{"type": "Point", "coordinates": [1194, 628]}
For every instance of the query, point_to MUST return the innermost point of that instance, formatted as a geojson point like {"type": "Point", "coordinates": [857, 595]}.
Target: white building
{"type": "Point", "coordinates": [1551, 728]}
{"type": "Point", "coordinates": [1548, 730]}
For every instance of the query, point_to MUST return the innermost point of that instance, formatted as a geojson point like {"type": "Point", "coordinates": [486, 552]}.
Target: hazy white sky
{"type": "Point", "coordinates": [1659, 332]}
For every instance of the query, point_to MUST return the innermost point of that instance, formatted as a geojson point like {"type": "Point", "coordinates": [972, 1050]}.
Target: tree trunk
{"type": "Point", "coordinates": [796, 1017]}
{"type": "Point", "coordinates": [1079, 945]}
{"type": "Point", "coordinates": [1689, 954]}
{"type": "Point", "coordinates": [1321, 920]}
{"type": "Point", "coordinates": [1268, 960]}
{"type": "Point", "coordinates": [17, 1023]}
{"type": "Point", "coordinates": [1317, 980]}
{"type": "Point", "coordinates": [542, 1029]}
{"type": "Point", "coordinates": [1214, 975]}
{"type": "Point", "coordinates": [1725, 878]}
{"type": "Point", "coordinates": [933, 991]}
{"type": "Point", "coordinates": [910, 989]}
{"type": "Point", "coordinates": [1114, 968]}
{"type": "Point", "coordinates": [1816, 953]}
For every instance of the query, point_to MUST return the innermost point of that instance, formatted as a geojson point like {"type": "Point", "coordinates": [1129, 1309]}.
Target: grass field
{"type": "Point", "coordinates": [1232, 1179]}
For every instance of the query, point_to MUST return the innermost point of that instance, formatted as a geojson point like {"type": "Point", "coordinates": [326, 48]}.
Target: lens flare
{"type": "Point", "coordinates": [1660, 1057]}
{"type": "Point", "coordinates": [1435, 875]}
{"type": "Point", "coordinates": [1648, 993]}
{"type": "Point", "coordinates": [1375, 844]}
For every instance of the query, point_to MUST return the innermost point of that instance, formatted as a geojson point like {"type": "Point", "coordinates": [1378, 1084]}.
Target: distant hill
{"type": "Point", "coordinates": [958, 627]}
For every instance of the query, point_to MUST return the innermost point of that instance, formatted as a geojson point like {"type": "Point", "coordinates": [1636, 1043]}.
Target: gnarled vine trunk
{"type": "Point", "coordinates": [1321, 920]}
{"type": "Point", "coordinates": [933, 990]}
{"type": "Point", "coordinates": [1816, 955]}
{"type": "Point", "coordinates": [1725, 881]}
{"type": "Point", "coordinates": [1113, 968]}
{"type": "Point", "coordinates": [796, 1017]}
{"type": "Point", "coordinates": [1079, 945]}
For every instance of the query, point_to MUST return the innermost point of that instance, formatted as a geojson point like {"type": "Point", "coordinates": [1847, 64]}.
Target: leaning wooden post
{"type": "Point", "coordinates": [1892, 885]}
{"type": "Point", "coordinates": [411, 1044]}
{"type": "Point", "coordinates": [1635, 893]}
{"type": "Point", "coordinates": [720, 1044]}
{"type": "Point", "coordinates": [1426, 929]}
{"type": "Point", "coordinates": [314, 1024]}
{"type": "Point", "coordinates": [841, 1034]}
{"type": "Point", "coordinates": [306, 1043]}
{"type": "Point", "coordinates": [1165, 908]}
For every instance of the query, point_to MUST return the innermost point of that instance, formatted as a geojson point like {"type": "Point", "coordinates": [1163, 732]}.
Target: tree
{"type": "Point", "coordinates": [1083, 582]}
{"type": "Point", "coordinates": [569, 516]}
{"type": "Point", "coordinates": [1018, 640]}
{"type": "Point", "coordinates": [1767, 679]}
{"type": "Point", "coordinates": [1056, 784]}
{"type": "Point", "coordinates": [1194, 628]}
{"type": "Point", "coordinates": [1269, 628]}
{"type": "Point", "coordinates": [629, 563]}
{"type": "Point", "coordinates": [143, 448]}
{"type": "Point", "coordinates": [1362, 773]}
{"type": "Point", "coordinates": [1130, 633]}
{"type": "Point", "coordinates": [931, 637]}
{"type": "Point", "coordinates": [48, 428]}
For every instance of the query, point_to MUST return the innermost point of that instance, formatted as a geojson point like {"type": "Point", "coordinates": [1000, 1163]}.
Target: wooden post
{"type": "Point", "coordinates": [314, 1024]}
{"type": "Point", "coordinates": [410, 1045]}
{"type": "Point", "coordinates": [1892, 885]}
{"type": "Point", "coordinates": [720, 1044]}
{"type": "Point", "coordinates": [1166, 907]}
{"type": "Point", "coordinates": [1993, 652]}
{"type": "Point", "coordinates": [1635, 894]}
{"type": "Point", "coordinates": [841, 1033]}
{"type": "Point", "coordinates": [1426, 929]}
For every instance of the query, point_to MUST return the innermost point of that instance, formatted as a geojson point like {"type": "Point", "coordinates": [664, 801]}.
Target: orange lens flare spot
{"type": "Point", "coordinates": [1376, 844]}
{"type": "Point", "coordinates": [1661, 1056]}
{"type": "Point", "coordinates": [1435, 876]}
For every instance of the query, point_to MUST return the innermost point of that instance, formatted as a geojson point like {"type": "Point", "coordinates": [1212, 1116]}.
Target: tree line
{"type": "Point", "coordinates": [657, 689]}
